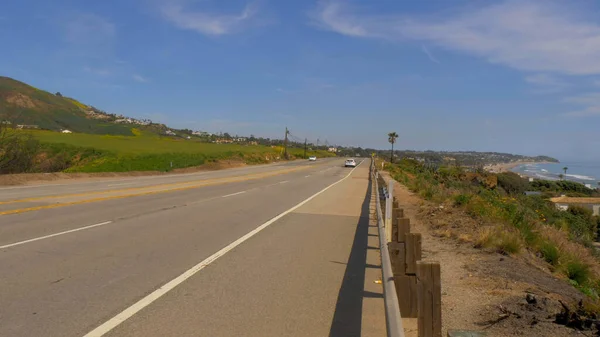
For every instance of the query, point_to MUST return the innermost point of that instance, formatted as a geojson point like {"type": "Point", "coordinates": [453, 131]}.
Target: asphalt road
{"type": "Point", "coordinates": [273, 250]}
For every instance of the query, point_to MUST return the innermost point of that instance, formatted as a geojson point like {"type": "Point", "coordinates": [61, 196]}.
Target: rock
{"type": "Point", "coordinates": [530, 298]}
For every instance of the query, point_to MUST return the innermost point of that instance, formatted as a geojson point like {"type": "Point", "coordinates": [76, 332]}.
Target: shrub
{"type": "Point", "coordinates": [512, 183]}
{"type": "Point", "coordinates": [17, 151]}
{"type": "Point", "coordinates": [508, 242]}
{"type": "Point", "coordinates": [503, 241]}
{"type": "Point", "coordinates": [577, 271]}
{"type": "Point", "coordinates": [580, 211]}
{"type": "Point", "coordinates": [485, 238]}
{"type": "Point", "coordinates": [461, 199]}
{"type": "Point", "coordinates": [550, 252]}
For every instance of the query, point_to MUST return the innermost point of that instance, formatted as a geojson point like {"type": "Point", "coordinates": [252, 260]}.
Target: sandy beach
{"type": "Point", "coordinates": [507, 167]}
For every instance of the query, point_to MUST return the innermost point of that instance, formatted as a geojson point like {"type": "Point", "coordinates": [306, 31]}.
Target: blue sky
{"type": "Point", "coordinates": [513, 76]}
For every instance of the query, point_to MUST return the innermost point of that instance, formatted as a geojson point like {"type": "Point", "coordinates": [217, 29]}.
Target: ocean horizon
{"type": "Point", "coordinates": [582, 172]}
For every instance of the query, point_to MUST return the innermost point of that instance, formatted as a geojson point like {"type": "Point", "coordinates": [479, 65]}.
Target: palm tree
{"type": "Point", "coordinates": [561, 176]}
{"type": "Point", "coordinates": [565, 169]}
{"type": "Point", "coordinates": [392, 136]}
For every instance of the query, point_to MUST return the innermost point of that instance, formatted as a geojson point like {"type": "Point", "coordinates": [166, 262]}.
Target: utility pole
{"type": "Point", "coordinates": [305, 140]}
{"type": "Point", "coordinates": [285, 142]}
{"type": "Point", "coordinates": [317, 143]}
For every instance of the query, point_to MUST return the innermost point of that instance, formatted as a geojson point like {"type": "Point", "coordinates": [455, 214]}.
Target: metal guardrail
{"type": "Point", "coordinates": [392, 307]}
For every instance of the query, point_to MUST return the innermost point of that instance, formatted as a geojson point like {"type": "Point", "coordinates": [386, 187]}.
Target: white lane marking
{"type": "Point", "coordinates": [307, 176]}
{"type": "Point", "coordinates": [158, 293]}
{"type": "Point", "coordinates": [55, 234]}
{"type": "Point", "coordinates": [123, 184]}
{"type": "Point", "coordinates": [284, 182]}
{"type": "Point", "coordinates": [31, 186]}
{"type": "Point", "coordinates": [232, 194]}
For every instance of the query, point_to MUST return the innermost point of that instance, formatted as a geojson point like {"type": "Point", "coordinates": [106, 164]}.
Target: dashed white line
{"type": "Point", "coordinates": [55, 234]}
{"type": "Point", "coordinates": [232, 194]}
{"type": "Point", "coordinates": [122, 184]}
{"type": "Point", "coordinates": [158, 293]}
{"type": "Point", "coordinates": [307, 176]}
{"type": "Point", "coordinates": [32, 186]}
{"type": "Point", "coordinates": [284, 182]}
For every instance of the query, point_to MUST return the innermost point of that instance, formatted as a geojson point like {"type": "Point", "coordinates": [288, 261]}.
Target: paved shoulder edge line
{"type": "Point", "coordinates": [158, 293]}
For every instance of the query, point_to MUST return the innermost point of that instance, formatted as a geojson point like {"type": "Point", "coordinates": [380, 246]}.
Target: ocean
{"type": "Point", "coordinates": [583, 172]}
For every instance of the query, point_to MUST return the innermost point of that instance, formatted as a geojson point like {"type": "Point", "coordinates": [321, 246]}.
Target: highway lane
{"type": "Point", "coordinates": [69, 284]}
{"type": "Point", "coordinates": [106, 184]}
{"type": "Point", "coordinates": [29, 225]}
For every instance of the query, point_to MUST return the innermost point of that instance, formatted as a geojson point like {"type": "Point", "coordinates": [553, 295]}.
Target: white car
{"type": "Point", "coordinates": [350, 163]}
{"type": "Point", "coordinates": [312, 158]}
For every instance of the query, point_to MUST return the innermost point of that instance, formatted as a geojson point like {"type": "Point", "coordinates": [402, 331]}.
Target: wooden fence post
{"type": "Point", "coordinates": [406, 287]}
{"type": "Point", "coordinates": [403, 229]}
{"type": "Point", "coordinates": [413, 252]}
{"type": "Point", "coordinates": [398, 257]}
{"type": "Point", "coordinates": [396, 215]}
{"type": "Point", "coordinates": [429, 299]}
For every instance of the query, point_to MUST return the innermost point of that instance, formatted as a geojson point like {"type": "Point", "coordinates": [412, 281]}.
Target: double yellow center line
{"type": "Point", "coordinates": [89, 197]}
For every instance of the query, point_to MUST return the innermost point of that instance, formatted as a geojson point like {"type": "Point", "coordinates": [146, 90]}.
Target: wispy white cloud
{"type": "Point", "coordinates": [541, 36]}
{"type": "Point", "coordinates": [139, 78]}
{"type": "Point", "coordinates": [89, 31]}
{"type": "Point", "coordinates": [587, 112]}
{"type": "Point", "coordinates": [97, 71]}
{"type": "Point", "coordinates": [590, 103]}
{"type": "Point", "coordinates": [546, 83]}
{"type": "Point", "coordinates": [211, 24]}
{"type": "Point", "coordinates": [429, 55]}
{"type": "Point", "coordinates": [337, 17]}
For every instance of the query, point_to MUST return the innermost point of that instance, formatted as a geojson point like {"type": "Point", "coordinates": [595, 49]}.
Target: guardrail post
{"type": "Point", "coordinates": [388, 211]}
{"type": "Point", "coordinates": [408, 295]}
{"type": "Point", "coordinates": [391, 302]}
{"type": "Point", "coordinates": [398, 257]}
{"type": "Point", "coordinates": [403, 229]}
{"type": "Point", "coordinates": [430, 299]}
{"type": "Point", "coordinates": [413, 252]}
{"type": "Point", "coordinates": [395, 212]}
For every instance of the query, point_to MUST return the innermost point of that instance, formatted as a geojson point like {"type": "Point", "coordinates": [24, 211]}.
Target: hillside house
{"type": "Point", "coordinates": [23, 126]}
{"type": "Point", "coordinates": [170, 133]}
{"type": "Point", "coordinates": [332, 149]}
{"type": "Point", "coordinates": [563, 203]}
{"type": "Point", "coordinates": [66, 131]}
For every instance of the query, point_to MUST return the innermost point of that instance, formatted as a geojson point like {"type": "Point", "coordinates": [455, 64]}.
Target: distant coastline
{"type": "Point", "coordinates": [508, 167]}
{"type": "Point", "coordinates": [581, 172]}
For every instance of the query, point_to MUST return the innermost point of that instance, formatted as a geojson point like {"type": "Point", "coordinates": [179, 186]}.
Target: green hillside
{"type": "Point", "coordinates": [23, 104]}
{"type": "Point", "coordinates": [29, 141]}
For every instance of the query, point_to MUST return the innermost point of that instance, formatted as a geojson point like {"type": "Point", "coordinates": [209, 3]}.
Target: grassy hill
{"type": "Point", "coordinates": [146, 151]}
{"type": "Point", "coordinates": [23, 104]}
{"type": "Point", "coordinates": [102, 142]}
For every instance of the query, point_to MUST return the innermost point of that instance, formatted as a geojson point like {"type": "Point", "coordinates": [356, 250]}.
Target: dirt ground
{"type": "Point", "coordinates": [481, 290]}
{"type": "Point", "coordinates": [58, 177]}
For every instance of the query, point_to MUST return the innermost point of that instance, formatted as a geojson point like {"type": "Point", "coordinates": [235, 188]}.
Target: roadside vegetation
{"type": "Point", "coordinates": [46, 151]}
{"type": "Point", "coordinates": [511, 222]}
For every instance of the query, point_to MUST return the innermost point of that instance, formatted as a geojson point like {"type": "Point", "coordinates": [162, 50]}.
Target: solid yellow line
{"type": "Point", "coordinates": [207, 183]}
{"type": "Point", "coordinates": [246, 177]}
